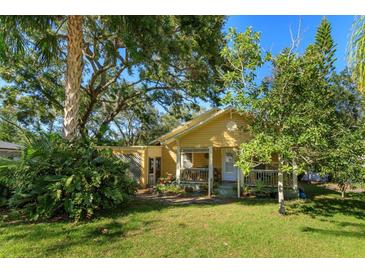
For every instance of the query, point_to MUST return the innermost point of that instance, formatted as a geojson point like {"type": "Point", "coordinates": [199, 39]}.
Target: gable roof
{"type": "Point", "coordinates": [190, 125]}
{"type": "Point", "coordinates": [9, 146]}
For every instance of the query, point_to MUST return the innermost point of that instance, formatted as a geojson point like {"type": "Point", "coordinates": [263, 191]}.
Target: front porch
{"type": "Point", "coordinates": [198, 166]}
{"type": "Point", "coordinates": [214, 167]}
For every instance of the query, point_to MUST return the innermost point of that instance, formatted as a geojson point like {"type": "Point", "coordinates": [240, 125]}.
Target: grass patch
{"type": "Point", "coordinates": [323, 226]}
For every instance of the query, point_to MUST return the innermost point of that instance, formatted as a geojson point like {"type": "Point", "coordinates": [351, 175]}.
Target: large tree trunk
{"type": "Point", "coordinates": [281, 188]}
{"type": "Point", "coordinates": [73, 77]}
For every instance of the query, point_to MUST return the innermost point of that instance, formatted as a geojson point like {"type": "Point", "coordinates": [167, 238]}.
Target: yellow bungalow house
{"type": "Point", "coordinates": [200, 151]}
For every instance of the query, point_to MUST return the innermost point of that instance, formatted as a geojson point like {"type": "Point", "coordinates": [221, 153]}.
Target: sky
{"type": "Point", "coordinates": [275, 33]}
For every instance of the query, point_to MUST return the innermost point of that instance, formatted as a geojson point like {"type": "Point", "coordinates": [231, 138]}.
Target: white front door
{"type": "Point", "coordinates": [229, 171]}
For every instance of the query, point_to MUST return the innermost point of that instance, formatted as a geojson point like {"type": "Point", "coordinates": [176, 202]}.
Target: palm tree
{"type": "Point", "coordinates": [73, 78]}
{"type": "Point", "coordinates": [16, 30]}
{"type": "Point", "coordinates": [356, 54]}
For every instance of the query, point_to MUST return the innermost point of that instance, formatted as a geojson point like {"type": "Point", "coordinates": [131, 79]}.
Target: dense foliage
{"type": "Point", "coordinates": [306, 115]}
{"type": "Point", "coordinates": [343, 156]}
{"type": "Point", "coordinates": [129, 62]}
{"type": "Point", "coordinates": [55, 177]}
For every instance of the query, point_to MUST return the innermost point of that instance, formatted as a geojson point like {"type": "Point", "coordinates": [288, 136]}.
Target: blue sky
{"type": "Point", "coordinates": [275, 33]}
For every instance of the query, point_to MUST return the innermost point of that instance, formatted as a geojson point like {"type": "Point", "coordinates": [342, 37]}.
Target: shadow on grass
{"type": "Point", "coordinates": [57, 238]}
{"type": "Point", "coordinates": [344, 229]}
{"type": "Point", "coordinates": [338, 233]}
{"type": "Point", "coordinates": [328, 203]}
{"type": "Point", "coordinates": [160, 204]}
{"type": "Point", "coordinates": [102, 235]}
{"type": "Point", "coordinates": [314, 190]}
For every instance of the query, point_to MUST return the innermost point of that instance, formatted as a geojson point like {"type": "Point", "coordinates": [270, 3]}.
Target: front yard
{"type": "Point", "coordinates": [325, 226]}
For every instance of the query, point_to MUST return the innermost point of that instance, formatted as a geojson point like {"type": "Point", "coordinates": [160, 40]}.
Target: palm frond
{"type": "Point", "coordinates": [356, 52]}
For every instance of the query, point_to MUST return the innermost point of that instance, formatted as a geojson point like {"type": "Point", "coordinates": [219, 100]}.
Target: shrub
{"type": "Point", "coordinates": [169, 189]}
{"type": "Point", "coordinates": [5, 180]}
{"type": "Point", "coordinates": [58, 177]}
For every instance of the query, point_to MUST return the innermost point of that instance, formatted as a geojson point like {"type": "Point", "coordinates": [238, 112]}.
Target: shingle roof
{"type": "Point", "coordinates": [7, 145]}
{"type": "Point", "coordinates": [196, 122]}
{"type": "Point", "coordinates": [184, 126]}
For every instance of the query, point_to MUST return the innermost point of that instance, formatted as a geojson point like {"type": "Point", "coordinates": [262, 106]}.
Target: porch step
{"type": "Point", "coordinates": [227, 190]}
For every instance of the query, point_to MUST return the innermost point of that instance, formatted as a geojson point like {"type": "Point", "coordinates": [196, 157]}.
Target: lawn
{"type": "Point", "coordinates": [324, 226]}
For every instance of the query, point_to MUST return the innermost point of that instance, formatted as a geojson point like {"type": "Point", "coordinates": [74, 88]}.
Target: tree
{"type": "Point", "coordinates": [73, 77]}
{"type": "Point", "coordinates": [140, 128]}
{"type": "Point", "coordinates": [15, 32]}
{"type": "Point", "coordinates": [343, 159]}
{"type": "Point", "coordinates": [290, 111]}
{"type": "Point", "coordinates": [168, 60]}
{"type": "Point", "coordinates": [356, 54]}
{"type": "Point", "coordinates": [143, 126]}
{"type": "Point", "coordinates": [326, 46]}
{"type": "Point", "coordinates": [304, 116]}
{"type": "Point", "coordinates": [9, 131]}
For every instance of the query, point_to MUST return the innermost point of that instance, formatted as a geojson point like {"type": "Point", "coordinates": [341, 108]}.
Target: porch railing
{"type": "Point", "coordinates": [194, 174]}
{"type": "Point", "coordinates": [266, 178]}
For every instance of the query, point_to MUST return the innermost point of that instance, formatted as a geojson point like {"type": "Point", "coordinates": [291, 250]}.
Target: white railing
{"type": "Point", "coordinates": [194, 174]}
{"type": "Point", "coordinates": [266, 178]}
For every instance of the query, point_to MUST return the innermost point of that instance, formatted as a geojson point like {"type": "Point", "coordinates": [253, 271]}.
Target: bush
{"type": "Point", "coordinates": [58, 177]}
{"type": "Point", "coordinates": [169, 189]}
{"type": "Point", "coordinates": [6, 179]}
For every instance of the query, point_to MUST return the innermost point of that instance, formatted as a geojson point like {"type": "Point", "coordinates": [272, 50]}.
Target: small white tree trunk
{"type": "Point", "coordinates": [281, 188]}
{"type": "Point", "coordinates": [343, 189]}
{"type": "Point", "coordinates": [295, 177]}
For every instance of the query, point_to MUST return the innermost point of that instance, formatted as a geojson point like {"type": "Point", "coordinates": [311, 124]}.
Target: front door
{"type": "Point", "coordinates": [154, 170]}
{"type": "Point", "coordinates": [151, 171]}
{"type": "Point", "coordinates": [229, 170]}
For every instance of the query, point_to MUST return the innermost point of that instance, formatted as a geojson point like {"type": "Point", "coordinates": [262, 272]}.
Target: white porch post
{"type": "Point", "coordinates": [210, 172]}
{"type": "Point", "coordinates": [295, 176]}
{"type": "Point", "coordinates": [238, 182]}
{"type": "Point", "coordinates": [178, 164]}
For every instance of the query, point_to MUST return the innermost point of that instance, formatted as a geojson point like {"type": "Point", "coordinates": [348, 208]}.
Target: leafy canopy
{"type": "Point", "coordinates": [167, 61]}
{"type": "Point", "coordinates": [302, 113]}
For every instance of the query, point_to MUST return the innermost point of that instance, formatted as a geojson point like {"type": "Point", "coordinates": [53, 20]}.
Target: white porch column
{"type": "Point", "coordinates": [238, 182]}
{"type": "Point", "coordinates": [210, 172]}
{"type": "Point", "coordinates": [295, 176]}
{"type": "Point", "coordinates": [178, 164]}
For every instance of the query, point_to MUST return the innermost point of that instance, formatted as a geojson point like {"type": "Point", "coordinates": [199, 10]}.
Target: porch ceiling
{"type": "Point", "coordinates": [194, 150]}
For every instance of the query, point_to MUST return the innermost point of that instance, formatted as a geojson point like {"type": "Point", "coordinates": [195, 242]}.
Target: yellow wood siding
{"type": "Point", "coordinates": [200, 160]}
{"type": "Point", "coordinates": [154, 151]}
{"type": "Point", "coordinates": [188, 124]}
{"type": "Point", "coordinates": [168, 161]}
{"type": "Point", "coordinates": [217, 158]}
{"type": "Point", "coordinates": [214, 133]}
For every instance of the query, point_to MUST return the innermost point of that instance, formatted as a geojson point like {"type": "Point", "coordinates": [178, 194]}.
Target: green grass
{"type": "Point", "coordinates": [324, 226]}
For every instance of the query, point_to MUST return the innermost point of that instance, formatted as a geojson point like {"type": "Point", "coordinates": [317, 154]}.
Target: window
{"type": "Point", "coordinates": [187, 160]}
